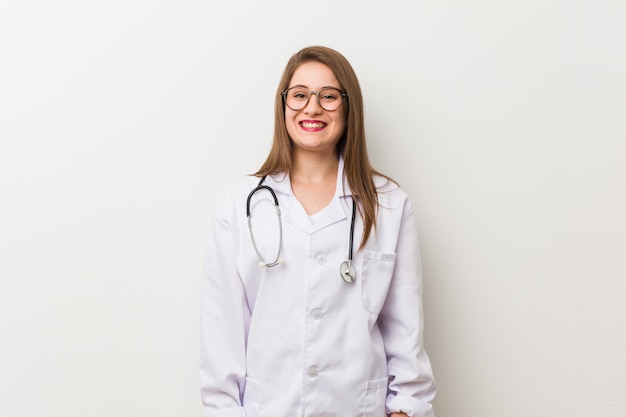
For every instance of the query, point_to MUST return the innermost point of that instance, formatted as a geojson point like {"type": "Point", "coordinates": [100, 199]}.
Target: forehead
{"type": "Point", "coordinates": [314, 75]}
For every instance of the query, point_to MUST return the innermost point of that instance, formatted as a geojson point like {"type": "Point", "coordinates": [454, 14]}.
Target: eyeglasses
{"type": "Point", "coordinates": [328, 98]}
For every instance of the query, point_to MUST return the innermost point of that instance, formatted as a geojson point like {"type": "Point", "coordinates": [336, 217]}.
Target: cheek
{"type": "Point", "coordinates": [342, 118]}
{"type": "Point", "coordinates": [290, 117]}
{"type": "Point", "coordinates": [341, 122]}
{"type": "Point", "coordinates": [290, 125]}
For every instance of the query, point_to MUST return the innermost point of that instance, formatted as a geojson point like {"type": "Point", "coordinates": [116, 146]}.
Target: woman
{"type": "Point", "coordinates": [313, 308]}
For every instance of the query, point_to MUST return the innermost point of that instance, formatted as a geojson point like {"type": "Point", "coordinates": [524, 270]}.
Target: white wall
{"type": "Point", "coordinates": [121, 122]}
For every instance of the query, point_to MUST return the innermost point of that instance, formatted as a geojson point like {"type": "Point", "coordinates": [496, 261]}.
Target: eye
{"type": "Point", "coordinates": [298, 94]}
{"type": "Point", "coordinates": [329, 95]}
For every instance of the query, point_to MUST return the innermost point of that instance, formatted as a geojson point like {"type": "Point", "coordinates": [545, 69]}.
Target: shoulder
{"type": "Point", "coordinates": [391, 195]}
{"type": "Point", "coordinates": [387, 187]}
{"type": "Point", "coordinates": [234, 200]}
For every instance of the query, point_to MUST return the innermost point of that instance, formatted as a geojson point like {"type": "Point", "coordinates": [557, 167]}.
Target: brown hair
{"type": "Point", "coordinates": [357, 168]}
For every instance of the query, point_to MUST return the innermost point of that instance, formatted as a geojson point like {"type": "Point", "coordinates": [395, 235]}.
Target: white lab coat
{"type": "Point", "coordinates": [295, 339]}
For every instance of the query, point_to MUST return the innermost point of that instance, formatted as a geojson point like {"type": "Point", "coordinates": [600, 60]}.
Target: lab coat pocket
{"type": "Point", "coordinates": [377, 271]}
{"type": "Point", "coordinates": [252, 398]}
{"type": "Point", "coordinates": [375, 396]}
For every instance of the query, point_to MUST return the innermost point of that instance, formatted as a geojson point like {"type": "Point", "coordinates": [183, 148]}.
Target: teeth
{"type": "Point", "coordinates": [312, 125]}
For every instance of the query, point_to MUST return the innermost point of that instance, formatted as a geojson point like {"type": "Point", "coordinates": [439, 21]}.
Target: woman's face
{"type": "Point", "coordinates": [312, 128]}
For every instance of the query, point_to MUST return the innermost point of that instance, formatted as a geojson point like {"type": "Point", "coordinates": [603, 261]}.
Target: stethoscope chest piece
{"type": "Point", "coordinates": [347, 272]}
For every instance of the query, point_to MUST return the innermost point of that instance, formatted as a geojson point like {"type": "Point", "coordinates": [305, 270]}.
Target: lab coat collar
{"type": "Point", "coordinates": [338, 209]}
{"type": "Point", "coordinates": [282, 183]}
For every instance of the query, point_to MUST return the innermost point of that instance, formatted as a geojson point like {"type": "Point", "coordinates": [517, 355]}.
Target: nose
{"type": "Point", "coordinates": [313, 105]}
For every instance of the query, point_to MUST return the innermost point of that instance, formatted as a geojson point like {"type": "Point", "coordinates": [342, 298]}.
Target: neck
{"type": "Point", "coordinates": [314, 168]}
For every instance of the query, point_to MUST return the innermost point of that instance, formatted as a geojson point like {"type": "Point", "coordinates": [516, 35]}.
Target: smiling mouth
{"type": "Point", "coordinates": [313, 125]}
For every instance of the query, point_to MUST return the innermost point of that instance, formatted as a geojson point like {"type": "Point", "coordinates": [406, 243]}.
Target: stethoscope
{"type": "Point", "coordinates": [346, 269]}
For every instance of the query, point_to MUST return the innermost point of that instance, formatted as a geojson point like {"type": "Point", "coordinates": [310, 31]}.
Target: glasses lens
{"type": "Point", "coordinates": [296, 98]}
{"type": "Point", "coordinates": [329, 98]}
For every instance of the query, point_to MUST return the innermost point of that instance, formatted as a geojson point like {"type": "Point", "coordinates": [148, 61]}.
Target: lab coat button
{"type": "Point", "coordinates": [321, 260]}
{"type": "Point", "coordinates": [312, 371]}
{"type": "Point", "coordinates": [316, 313]}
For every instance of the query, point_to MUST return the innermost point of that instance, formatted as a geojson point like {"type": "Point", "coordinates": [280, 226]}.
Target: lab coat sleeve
{"type": "Point", "coordinates": [224, 318]}
{"type": "Point", "coordinates": [411, 382]}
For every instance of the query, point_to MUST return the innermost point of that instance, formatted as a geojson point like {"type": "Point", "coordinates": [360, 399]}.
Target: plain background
{"type": "Point", "coordinates": [122, 122]}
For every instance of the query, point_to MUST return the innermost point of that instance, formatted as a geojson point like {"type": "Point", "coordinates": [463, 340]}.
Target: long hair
{"type": "Point", "coordinates": [352, 145]}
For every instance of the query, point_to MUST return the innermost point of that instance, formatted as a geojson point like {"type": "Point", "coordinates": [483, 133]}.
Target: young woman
{"type": "Point", "coordinates": [312, 292]}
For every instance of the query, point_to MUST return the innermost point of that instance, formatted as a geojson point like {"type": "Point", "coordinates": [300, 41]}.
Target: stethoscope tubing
{"type": "Point", "coordinates": [259, 187]}
{"type": "Point", "coordinates": [346, 269]}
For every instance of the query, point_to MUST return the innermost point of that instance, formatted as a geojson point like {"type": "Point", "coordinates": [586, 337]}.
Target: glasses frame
{"type": "Point", "coordinates": [317, 96]}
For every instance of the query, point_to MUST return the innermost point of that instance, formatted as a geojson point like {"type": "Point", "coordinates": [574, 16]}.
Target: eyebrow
{"type": "Point", "coordinates": [321, 88]}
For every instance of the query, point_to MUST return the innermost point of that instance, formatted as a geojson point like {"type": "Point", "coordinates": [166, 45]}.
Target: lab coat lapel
{"type": "Point", "coordinates": [340, 206]}
{"type": "Point", "coordinates": [291, 210]}
{"type": "Point", "coordinates": [294, 214]}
